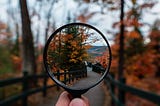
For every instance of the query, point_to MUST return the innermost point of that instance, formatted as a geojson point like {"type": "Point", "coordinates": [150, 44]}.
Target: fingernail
{"type": "Point", "coordinates": [77, 102]}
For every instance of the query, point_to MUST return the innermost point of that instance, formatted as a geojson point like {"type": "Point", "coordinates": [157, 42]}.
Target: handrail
{"type": "Point", "coordinates": [140, 93]}
{"type": "Point", "coordinates": [27, 91]}
{"type": "Point", "coordinates": [20, 96]}
{"type": "Point", "coordinates": [68, 72]}
{"type": "Point", "coordinates": [11, 81]}
{"type": "Point", "coordinates": [112, 94]}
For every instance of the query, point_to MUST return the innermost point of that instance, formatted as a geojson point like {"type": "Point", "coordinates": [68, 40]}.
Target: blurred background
{"type": "Point", "coordinates": [134, 37]}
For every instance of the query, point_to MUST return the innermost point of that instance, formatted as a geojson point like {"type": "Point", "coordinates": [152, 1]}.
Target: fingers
{"type": "Point", "coordinates": [77, 102]}
{"type": "Point", "coordinates": [83, 101]}
{"type": "Point", "coordinates": [64, 99]}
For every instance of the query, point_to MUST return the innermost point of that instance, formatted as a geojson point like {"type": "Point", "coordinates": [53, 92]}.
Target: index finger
{"type": "Point", "coordinates": [64, 99]}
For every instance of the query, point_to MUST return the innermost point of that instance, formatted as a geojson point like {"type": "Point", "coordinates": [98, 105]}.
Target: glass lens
{"type": "Point", "coordinates": [77, 56]}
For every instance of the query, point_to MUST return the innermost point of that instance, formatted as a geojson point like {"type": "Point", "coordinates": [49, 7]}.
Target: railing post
{"type": "Point", "coordinates": [45, 85]}
{"type": "Point", "coordinates": [69, 75]}
{"type": "Point", "coordinates": [85, 72]}
{"type": "Point", "coordinates": [76, 75]}
{"type": "Point", "coordinates": [81, 73]}
{"type": "Point", "coordinates": [121, 93]}
{"type": "Point", "coordinates": [25, 88]}
{"type": "Point", "coordinates": [2, 95]}
{"type": "Point", "coordinates": [58, 78]}
{"type": "Point", "coordinates": [113, 89]}
{"type": "Point", "coordinates": [65, 79]}
{"type": "Point", "coordinates": [73, 76]}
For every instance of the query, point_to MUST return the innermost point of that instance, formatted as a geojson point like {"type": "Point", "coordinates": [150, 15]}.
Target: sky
{"type": "Point", "coordinates": [63, 8]}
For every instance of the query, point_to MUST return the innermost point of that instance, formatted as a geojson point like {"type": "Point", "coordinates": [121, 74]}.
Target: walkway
{"type": "Point", "coordinates": [98, 95]}
{"type": "Point", "coordinates": [91, 79]}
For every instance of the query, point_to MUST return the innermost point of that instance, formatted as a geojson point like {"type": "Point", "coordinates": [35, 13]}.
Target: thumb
{"type": "Point", "coordinates": [77, 102]}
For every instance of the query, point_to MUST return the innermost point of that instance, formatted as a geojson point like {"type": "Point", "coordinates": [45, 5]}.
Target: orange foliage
{"type": "Point", "coordinates": [103, 60]}
{"type": "Point", "coordinates": [141, 65]}
{"type": "Point", "coordinates": [140, 68]}
{"type": "Point", "coordinates": [155, 37]}
{"type": "Point", "coordinates": [17, 61]}
{"type": "Point", "coordinates": [4, 36]}
{"type": "Point", "coordinates": [133, 34]}
{"type": "Point", "coordinates": [66, 49]}
{"type": "Point", "coordinates": [128, 23]}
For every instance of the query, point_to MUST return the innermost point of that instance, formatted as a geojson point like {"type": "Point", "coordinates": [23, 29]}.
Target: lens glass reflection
{"type": "Point", "coordinates": [77, 56]}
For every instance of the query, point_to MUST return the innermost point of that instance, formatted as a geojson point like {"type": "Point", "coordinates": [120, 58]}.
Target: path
{"type": "Point", "coordinates": [96, 95]}
{"type": "Point", "coordinates": [91, 79]}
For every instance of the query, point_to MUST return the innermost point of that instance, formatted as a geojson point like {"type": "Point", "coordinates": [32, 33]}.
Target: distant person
{"type": "Point", "coordinates": [65, 99]}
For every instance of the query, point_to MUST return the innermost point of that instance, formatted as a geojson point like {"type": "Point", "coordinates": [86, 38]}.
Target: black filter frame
{"type": "Point", "coordinates": [75, 92]}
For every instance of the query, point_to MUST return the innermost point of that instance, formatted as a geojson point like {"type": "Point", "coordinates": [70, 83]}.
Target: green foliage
{"type": "Point", "coordinates": [6, 65]}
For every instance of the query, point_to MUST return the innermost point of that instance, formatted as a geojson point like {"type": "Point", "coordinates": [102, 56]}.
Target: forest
{"type": "Point", "coordinates": [25, 26]}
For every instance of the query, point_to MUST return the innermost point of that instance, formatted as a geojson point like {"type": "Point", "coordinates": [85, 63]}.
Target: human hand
{"type": "Point", "coordinates": [66, 99]}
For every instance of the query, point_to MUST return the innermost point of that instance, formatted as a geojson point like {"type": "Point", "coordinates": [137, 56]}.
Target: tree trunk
{"type": "Point", "coordinates": [121, 93]}
{"type": "Point", "coordinates": [28, 56]}
{"type": "Point", "coordinates": [121, 43]}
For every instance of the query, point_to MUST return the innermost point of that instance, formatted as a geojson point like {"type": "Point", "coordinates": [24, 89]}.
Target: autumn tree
{"type": "Point", "coordinates": [154, 45]}
{"type": "Point", "coordinates": [134, 46]}
{"type": "Point", "coordinates": [68, 48]}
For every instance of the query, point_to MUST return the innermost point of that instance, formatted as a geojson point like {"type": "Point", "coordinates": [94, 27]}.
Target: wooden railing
{"type": "Point", "coordinates": [27, 91]}
{"type": "Point", "coordinates": [116, 101]}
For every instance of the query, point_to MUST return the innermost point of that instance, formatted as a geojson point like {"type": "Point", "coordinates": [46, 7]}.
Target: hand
{"type": "Point", "coordinates": [66, 99]}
